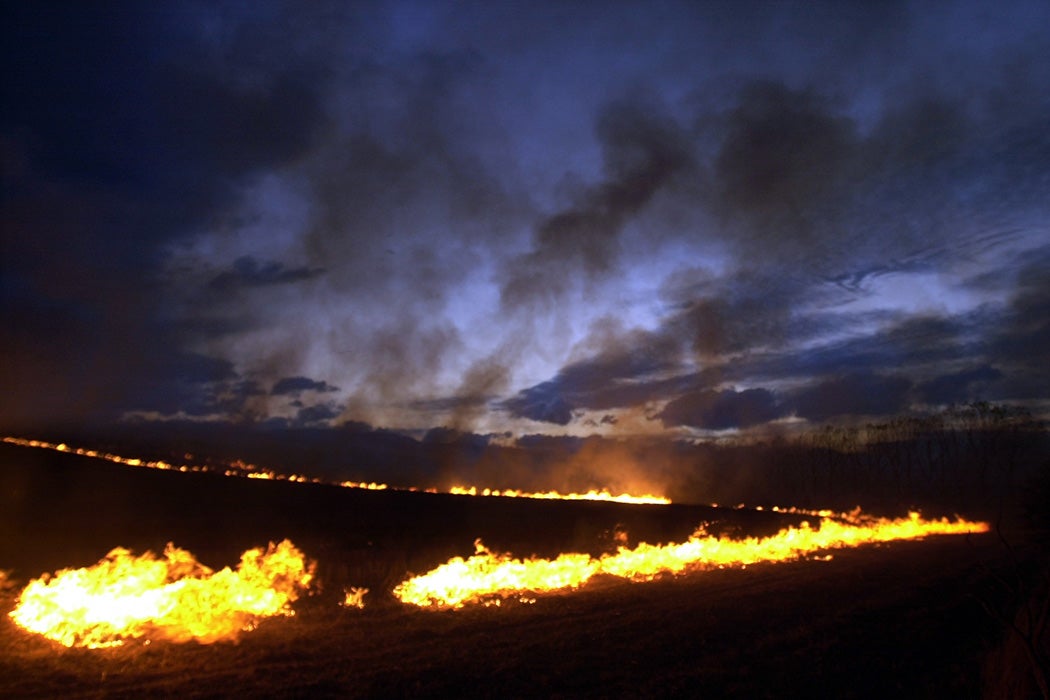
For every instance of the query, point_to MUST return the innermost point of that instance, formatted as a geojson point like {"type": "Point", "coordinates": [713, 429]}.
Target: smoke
{"type": "Point", "coordinates": [435, 213]}
{"type": "Point", "coordinates": [642, 151]}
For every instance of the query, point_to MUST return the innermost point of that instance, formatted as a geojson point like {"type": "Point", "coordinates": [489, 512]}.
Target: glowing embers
{"type": "Point", "coordinates": [172, 597]}
{"type": "Point", "coordinates": [592, 495]}
{"type": "Point", "coordinates": [488, 578]}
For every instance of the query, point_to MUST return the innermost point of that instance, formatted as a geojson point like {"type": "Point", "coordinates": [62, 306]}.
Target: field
{"type": "Point", "coordinates": [908, 619]}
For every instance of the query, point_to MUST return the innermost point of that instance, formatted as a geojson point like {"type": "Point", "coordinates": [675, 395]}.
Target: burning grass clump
{"type": "Point", "coordinates": [487, 576]}
{"type": "Point", "coordinates": [354, 597]}
{"type": "Point", "coordinates": [172, 597]}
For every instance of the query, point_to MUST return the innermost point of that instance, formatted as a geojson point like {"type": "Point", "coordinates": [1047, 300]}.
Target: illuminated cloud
{"type": "Point", "coordinates": [700, 217]}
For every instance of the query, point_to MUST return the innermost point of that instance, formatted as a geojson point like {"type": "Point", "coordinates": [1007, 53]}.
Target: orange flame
{"type": "Point", "coordinates": [173, 597]}
{"type": "Point", "coordinates": [243, 469]}
{"type": "Point", "coordinates": [487, 577]}
{"type": "Point", "coordinates": [592, 495]}
{"type": "Point", "coordinates": [354, 597]}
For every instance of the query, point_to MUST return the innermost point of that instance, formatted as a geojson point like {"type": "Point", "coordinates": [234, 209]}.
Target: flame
{"type": "Point", "coordinates": [366, 485]}
{"type": "Point", "coordinates": [250, 471]}
{"type": "Point", "coordinates": [488, 577]}
{"type": "Point", "coordinates": [354, 597]}
{"type": "Point", "coordinates": [592, 495]}
{"type": "Point", "coordinates": [173, 597]}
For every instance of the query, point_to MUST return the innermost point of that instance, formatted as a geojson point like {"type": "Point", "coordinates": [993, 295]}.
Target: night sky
{"type": "Point", "coordinates": [560, 218]}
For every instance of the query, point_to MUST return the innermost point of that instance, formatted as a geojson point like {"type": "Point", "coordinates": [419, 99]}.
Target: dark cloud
{"type": "Point", "coordinates": [742, 311]}
{"type": "Point", "coordinates": [1025, 323]}
{"type": "Point", "coordinates": [783, 161]}
{"type": "Point", "coordinates": [721, 410]}
{"type": "Point", "coordinates": [482, 384]}
{"type": "Point", "coordinates": [297, 385]}
{"type": "Point", "coordinates": [900, 341]}
{"type": "Point", "coordinates": [122, 141]}
{"type": "Point", "coordinates": [200, 201]}
{"type": "Point", "coordinates": [400, 166]}
{"type": "Point", "coordinates": [852, 395]}
{"type": "Point", "coordinates": [233, 128]}
{"type": "Point", "coordinates": [1017, 340]}
{"type": "Point", "coordinates": [799, 181]}
{"type": "Point", "coordinates": [623, 374]}
{"type": "Point", "coordinates": [543, 402]}
{"type": "Point", "coordinates": [246, 271]}
{"type": "Point", "coordinates": [186, 383]}
{"type": "Point", "coordinates": [642, 150]}
{"type": "Point", "coordinates": [318, 414]}
{"type": "Point", "coordinates": [959, 387]}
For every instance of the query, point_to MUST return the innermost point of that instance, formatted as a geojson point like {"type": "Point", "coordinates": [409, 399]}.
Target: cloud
{"type": "Point", "coordinates": [435, 216]}
{"type": "Point", "coordinates": [124, 141]}
{"type": "Point", "coordinates": [317, 414]}
{"type": "Point", "coordinates": [543, 403]}
{"type": "Point", "coordinates": [186, 383]}
{"type": "Point", "coordinates": [908, 342]}
{"type": "Point", "coordinates": [246, 271]}
{"type": "Point", "coordinates": [626, 371]}
{"type": "Point", "coordinates": [235, 127]}
{"type": "Point", "coordinates": [721, 410]}
{"type": "Point", "coordinates": [959, 387]}
{"type": "Point", "coordinates": [784, 159]}
{"type": "Point", "coordinates": [857, 394]}
{"type": "Point", "coordinates": [1015, 341]}
{"type": "Point", "coordinates": [297, 385]}
{"type": "Point", "coordinates": [642, 151]}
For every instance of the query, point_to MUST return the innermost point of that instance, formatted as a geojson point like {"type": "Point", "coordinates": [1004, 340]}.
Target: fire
{"type": "Point", "coordinates": [250, 471]}
{"type": "Point", "coordinates": [488, 577]}
{"type": "Point", "coordinates": [354, 597]}
{"type": "Point", "coordinates": [366, 485]}
{"type": "Point", "coordinates": [172, 597]}
{"type": "Point", "coordinates": [592, 495]}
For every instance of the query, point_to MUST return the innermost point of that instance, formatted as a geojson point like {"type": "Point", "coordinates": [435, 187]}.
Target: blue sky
{"type": "Point", "coordinates": [638, 218]}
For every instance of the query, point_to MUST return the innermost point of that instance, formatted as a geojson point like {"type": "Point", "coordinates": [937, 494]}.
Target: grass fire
{"type": "Point", "coordinates": [172, 597]}
{"type": "Point", "coordinates": [378, 597]}
{"type": "Point", "coordinates": [487, 577]}
{"type": "Point", "coordinates": [239, 468]}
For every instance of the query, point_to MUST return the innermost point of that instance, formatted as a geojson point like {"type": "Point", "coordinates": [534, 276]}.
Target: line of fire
{"type": "Point", "coordinates": [141, 598]}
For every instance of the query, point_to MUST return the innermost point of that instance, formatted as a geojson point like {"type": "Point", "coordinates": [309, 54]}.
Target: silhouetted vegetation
{"type": "Point", "coordinates": [977, 458]}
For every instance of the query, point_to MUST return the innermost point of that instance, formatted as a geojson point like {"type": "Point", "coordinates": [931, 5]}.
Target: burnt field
{"type": "Point", "coordinates": [908, 619]}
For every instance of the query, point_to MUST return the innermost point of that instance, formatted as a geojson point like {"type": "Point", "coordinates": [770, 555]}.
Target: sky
{"type": "Point", "coordinates": [659, 218]}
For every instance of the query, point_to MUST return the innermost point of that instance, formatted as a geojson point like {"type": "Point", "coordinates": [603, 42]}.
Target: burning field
{"type": "Point", "coordinates": [352, 589]}
{"type": "Point", "coordinates": [171, 597]}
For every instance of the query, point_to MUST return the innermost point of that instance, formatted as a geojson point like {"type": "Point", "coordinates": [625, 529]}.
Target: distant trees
{"type": "Point", "coordinates": [971, 456]}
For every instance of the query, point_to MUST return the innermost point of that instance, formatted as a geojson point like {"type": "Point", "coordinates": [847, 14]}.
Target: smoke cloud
{"type": "Point", "coordinates": [542, 221]}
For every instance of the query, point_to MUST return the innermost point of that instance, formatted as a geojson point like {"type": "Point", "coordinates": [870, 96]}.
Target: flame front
{"type": "Point", "coordinates": [239, 468]}
{"type": "Point", "coordinates": [592, 495]}
{"type": "Point", "coordinates": [172, 597]}
{"type": "Point", "coordinates": [487, 576]}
